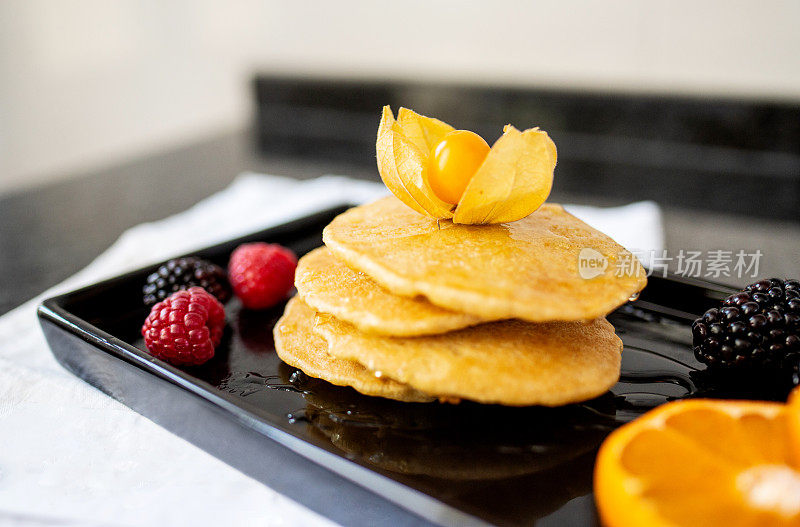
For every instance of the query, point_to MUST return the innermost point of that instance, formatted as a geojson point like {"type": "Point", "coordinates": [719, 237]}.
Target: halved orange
{"type": "Point", "coordinates": [700, 463]}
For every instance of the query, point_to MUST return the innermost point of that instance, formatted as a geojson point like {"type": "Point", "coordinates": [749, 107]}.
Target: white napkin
{"type": "Point", "coordinates": [70, 454]}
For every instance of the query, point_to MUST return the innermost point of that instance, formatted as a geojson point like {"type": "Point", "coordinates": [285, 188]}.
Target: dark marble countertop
{"type": "Point", "coordinates": [52, 231]}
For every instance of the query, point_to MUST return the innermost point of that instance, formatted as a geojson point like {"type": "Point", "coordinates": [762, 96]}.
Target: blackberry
{"type": "Point", "coordinates": [757, 328]}
{"type": "Point", "coordinates": [183, 273]}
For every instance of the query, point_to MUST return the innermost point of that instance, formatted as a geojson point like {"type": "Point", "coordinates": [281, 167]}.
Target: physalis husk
{"type": "Point", "coordinates": [512, 182]}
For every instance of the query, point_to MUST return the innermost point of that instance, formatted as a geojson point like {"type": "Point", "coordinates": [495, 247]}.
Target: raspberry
{"type": "Point", "coordinates": [185, 327]}
{"type": "Point", "coordinates": [183, 273]}
{"type": "Point", "coordinates": [261, 274]}
{"type": "Point", "coordinates": [756, 328]}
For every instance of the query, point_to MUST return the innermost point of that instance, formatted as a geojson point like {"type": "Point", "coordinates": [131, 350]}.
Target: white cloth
{"type": "Point", "coordinates": [70, 454]}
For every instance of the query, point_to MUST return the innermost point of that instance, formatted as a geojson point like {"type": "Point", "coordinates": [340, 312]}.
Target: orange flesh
{"type": "Point", "coordinates": [453, 162]}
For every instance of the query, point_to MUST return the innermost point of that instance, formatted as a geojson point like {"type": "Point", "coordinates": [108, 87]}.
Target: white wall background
{"type": "Point", "coordinates": [89, 82]}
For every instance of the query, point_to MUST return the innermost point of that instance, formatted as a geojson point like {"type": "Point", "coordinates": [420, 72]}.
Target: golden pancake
{"type": "Point", "coordinates": [329, 286]}
{"type": "Point", "coordinates": [513, 363]}
{"type": "Point", "coordinates": [298, 346]}
{"type": "Point", "coordinates": [527, 269]}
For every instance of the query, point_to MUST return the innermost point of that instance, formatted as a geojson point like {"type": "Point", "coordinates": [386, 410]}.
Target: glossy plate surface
{"type": "Point", "coordinates": [455, 465]}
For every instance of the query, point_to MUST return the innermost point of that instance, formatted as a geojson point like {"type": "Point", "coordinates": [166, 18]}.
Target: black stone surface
{"type": "Point", "coordinates": [51, 232]}
{"type": "Point", "coordinates": [731, 156]}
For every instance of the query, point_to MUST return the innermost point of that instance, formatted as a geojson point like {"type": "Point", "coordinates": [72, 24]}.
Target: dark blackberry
{"type": "Point", "coordinates": [758, 328]}
{"type": "Point", "coordinates": [183, 273]}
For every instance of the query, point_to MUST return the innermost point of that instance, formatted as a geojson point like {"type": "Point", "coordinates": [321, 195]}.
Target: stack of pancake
{"type": "Point", "coordinates": [403, 306]}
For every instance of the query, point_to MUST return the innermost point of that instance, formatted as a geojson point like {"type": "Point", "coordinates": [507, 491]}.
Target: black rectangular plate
{"type": "Point", "coordinates": [465, 464]}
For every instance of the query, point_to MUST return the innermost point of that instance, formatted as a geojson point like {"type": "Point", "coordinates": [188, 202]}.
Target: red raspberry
{"type": "Point", "coordinates": [261, 274]}
{"type": "Point", "coordinates": [185, 327]}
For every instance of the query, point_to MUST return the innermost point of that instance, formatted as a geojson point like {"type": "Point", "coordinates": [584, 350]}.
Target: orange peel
{"type": "Point", "coordinates": [513, 181]}
{"type": "Point", "coordinates": [793, 409]}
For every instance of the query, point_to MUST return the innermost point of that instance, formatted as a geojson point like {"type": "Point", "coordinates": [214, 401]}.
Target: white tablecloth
{"type": "Point", "coordinates": [71, 455]}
